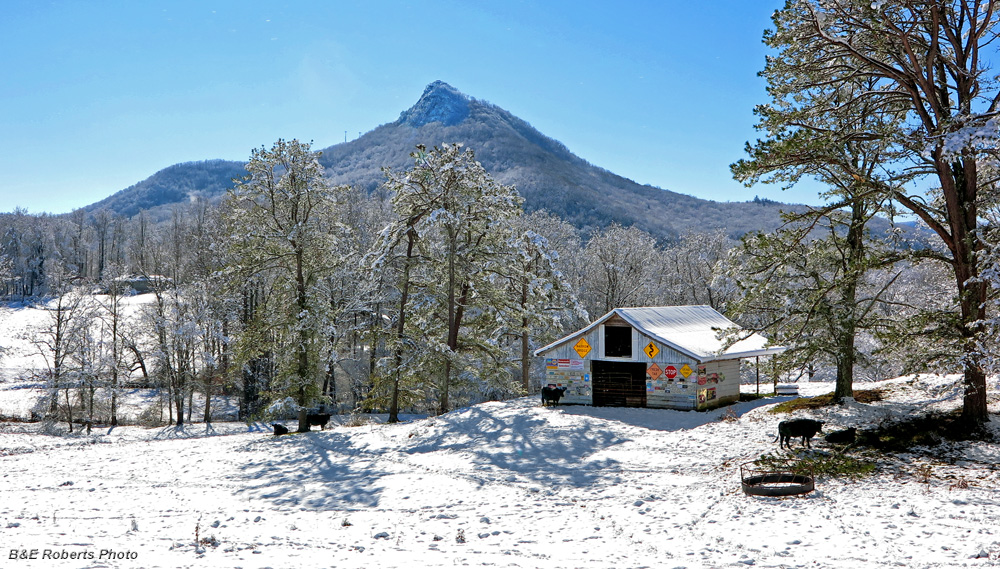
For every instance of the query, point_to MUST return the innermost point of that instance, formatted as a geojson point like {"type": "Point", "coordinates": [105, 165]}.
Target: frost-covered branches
{"type": "Point", "coordinates": [282, 230]}
{"type": "Point", "coordinates": [910, 82]}
{"type": "Point", "coordinates": [465, 278]}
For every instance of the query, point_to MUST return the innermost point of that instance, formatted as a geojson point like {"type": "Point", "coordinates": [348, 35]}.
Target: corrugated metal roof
{"type": "Point", "coordinates": [692, 330]}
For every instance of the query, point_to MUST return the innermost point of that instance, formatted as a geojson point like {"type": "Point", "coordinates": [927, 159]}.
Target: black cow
{"type": "Point", "coordinates": [805, 428]}
{"type": "Point", "coordinates": [280, 429]}
{"type": "Point", "coordinates": [552, 395]}
{"type": "Point", "coordinates": [320, 419]}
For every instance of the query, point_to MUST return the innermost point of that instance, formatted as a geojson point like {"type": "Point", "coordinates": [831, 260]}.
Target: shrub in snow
{"type": "Point", "coordinates": [285, 408]}
{"type": "Point", "coordinates": [357, 420]}
{"type": "Point", "coordinates": [152, 416]}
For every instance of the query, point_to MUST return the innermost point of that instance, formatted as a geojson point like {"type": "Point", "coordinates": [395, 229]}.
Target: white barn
{"type": "Point", "coordinates": [665, 356]}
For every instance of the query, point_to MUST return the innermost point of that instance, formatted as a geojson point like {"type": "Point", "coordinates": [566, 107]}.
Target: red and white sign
{"type": "Point", "coordinates": [670, 372]}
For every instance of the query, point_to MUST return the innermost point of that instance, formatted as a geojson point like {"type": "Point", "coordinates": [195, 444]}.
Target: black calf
{"type": "Point", "coordinates": [845, 437]}
{"type": "Point", "coordinates": [552, 395]}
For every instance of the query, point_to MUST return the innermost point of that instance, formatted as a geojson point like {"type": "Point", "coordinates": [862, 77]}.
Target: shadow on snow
{"type": "Point", "coordinates": [318, 471]}
{"type": "Point", "coordinates": [666, 419]}
{"type": "Point", "coordinates": [526, 444]}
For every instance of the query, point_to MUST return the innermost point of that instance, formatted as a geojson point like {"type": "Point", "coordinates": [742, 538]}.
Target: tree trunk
{"type": "Point", "coordinates": [452, 330]}
{"type": "Point", "coordinates": [847, 321]}
{"type": "Point", "coordinates": [974, 404]}
{"type": "Point", "coordinates": [525, 340]}
{"type": "Point", "coordinates": [189, 380]}
{"type": "Point", "coordinates": [443, 406]}
{"type": "Point", "coordinates": [69, 412]}
{"type": "Point", "coordinates": [179, 404]}
{"type": "Point", "coordinates": [170, 399]}
{"type": "Point", "coordinates": [179, 398]}
{"type": "Point", "coordinates": [525, 357]}
{"type": "Point", "coordinates": [141, 362]}
{"type": "Point", "coordinates": [401, 326]}
{"type": "Point", "coordinates": [330, 384]}
{"type": "Point", "coordinates": [208, 396]}
{"type": "Point", "coordinates": [115, 309]}
{"type": "Point", "coordinates": [959, 185]}
{"type": "Point", "coordinates": [90, 407]}
{"type": "Point", "coordinates": [303, 348]}
{"type": "Point", "coordinates": [845, 372]}
{"type": "Point", "coordinates": [974, 414]}
{"type": "Point", "coordinates": [303, 420]}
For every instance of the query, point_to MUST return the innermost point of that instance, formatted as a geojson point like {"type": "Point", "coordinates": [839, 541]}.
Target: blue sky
{"type": "Point", "coordinates": [97, 96]}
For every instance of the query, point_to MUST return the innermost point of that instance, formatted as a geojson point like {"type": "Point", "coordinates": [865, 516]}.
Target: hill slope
{"type": "Point", "coordinates": [174, 184]}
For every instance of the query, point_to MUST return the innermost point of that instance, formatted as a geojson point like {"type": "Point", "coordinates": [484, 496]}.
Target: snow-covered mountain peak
{"type": "Point", "coordinates": [440, 103]}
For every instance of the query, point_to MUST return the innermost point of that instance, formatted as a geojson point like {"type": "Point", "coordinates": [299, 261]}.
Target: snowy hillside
{"type": "Point", "coordinates": [23, 363]}
{"type": "Point", "coordinates": [21, 324]}
{"type": "Point", "coordinates": [507, 484]}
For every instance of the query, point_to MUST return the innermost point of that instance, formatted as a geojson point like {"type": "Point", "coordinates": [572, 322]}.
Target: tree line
{"type": "Point", "coordinates": [431, 292]}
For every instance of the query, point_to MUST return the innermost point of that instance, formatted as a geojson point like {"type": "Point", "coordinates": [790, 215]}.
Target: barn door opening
{"type": "Point", "coordinates": [619, 384]}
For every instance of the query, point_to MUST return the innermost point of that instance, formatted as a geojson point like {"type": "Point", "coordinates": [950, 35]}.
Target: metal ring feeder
{"type": "Point", "coordinates": [760, 482]}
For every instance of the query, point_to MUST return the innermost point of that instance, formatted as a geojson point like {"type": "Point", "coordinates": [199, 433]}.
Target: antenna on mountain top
{"type": "Point", "coordinates": [345, 136]}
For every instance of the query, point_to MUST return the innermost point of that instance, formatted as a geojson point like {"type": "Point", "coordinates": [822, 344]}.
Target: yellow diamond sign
{"type": "Point", "coordinates": [651, 350]}
{"type": "Point", "coordinates": [582, 347]}
{"type": "Point", "coordinates": [686, 371]}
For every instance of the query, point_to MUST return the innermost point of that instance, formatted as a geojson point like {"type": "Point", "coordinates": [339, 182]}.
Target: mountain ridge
{"type": "Point", "coordinates": [546, 173]}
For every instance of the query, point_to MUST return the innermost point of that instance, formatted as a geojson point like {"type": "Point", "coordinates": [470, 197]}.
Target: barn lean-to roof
{"type": "Point", "coordinates": [691, 330]}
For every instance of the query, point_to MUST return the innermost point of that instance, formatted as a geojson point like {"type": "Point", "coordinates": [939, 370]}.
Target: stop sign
{"type": "Point", "coordinates": [670, 372]}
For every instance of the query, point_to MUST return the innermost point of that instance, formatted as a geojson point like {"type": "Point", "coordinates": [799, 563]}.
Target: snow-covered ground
{"type": "Point", "coordinates": [502, 484]}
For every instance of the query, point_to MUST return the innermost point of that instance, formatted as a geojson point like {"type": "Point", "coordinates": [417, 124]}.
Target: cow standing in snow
{"type": "Point", "coordinates": [552, 395]}
{"type": "Point", "coordinates": [320, 419]}
{"type": "Point", "coordinates": [805, 428]}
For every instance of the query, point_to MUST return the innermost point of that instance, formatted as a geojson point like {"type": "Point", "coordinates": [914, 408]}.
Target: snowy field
{"type": "Point", "coordinates": [502, 484]}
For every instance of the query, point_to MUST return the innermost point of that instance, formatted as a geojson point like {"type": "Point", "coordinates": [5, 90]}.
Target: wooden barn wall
{"type": "Point", "coordinates": [722, 385]}
{"type": "Point", "coordinates": [564, 367]}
